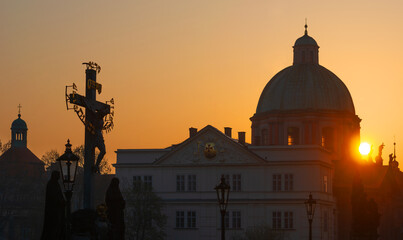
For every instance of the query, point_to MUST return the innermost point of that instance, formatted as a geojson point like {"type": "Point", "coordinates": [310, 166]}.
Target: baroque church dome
{"type": "Point", "coordinates": [306, 85]}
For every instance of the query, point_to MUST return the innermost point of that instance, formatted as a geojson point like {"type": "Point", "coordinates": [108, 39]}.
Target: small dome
{"type": "Point", "coordinates": [305, 40]}
{"type": "Point", "coordinates": [19, 124]}
{"type": "Point", "coordinates": [307, 87]}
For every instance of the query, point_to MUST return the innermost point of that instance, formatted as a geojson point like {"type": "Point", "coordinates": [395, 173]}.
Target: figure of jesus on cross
{"type": "Point", "coordinates": [97, 117]}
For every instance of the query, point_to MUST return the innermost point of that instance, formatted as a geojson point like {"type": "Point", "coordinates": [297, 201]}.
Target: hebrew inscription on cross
{"type": "Point", "coordinates": [97, 117]}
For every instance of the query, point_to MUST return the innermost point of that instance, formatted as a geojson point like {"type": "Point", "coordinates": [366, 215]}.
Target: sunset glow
{"type": "Point", "coordinates": [364, 148]}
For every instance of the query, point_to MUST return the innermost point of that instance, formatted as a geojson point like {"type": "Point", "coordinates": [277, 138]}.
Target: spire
{"type": "Point", "coordinates": [306, 27]}
{"type": "Point", "coordinates": [306, 50]}
{"type": "Point", "coordinates": [19, 110]}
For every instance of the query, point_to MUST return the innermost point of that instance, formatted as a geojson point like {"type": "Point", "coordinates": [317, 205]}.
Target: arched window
{"type": "Point", "coordinates": [328, 138]}
{"type": "Point", "coordinates": [292, 136]}
{"type": "Point", "coordinates": [303, 56]}
{"type": "Point", "coordinates": [265, 137]}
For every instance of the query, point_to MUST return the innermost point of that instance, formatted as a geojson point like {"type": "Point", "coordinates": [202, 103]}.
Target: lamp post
{"type": "Point", "coordinates": [222, 190]}
{"type": "Point", "coordinates": [68, 167]}
{"type": "Point", "coordinates": [310, 205]}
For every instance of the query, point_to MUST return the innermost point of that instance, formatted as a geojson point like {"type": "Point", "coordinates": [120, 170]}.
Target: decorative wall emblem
{"type": "Point", "coordinates": [209, 150]}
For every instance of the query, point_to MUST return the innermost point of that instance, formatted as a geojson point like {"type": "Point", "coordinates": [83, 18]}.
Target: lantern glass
{"type": "Point", "coordinates": [310, 206]}
{"type": "Point", "coordinates": [222, 190]}
{"type": "Point", "coordinates": [68, 163]}
{"type": "Point", "coordinates": [68, 170]}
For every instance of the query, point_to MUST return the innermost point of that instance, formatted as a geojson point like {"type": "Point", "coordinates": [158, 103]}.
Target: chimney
{"type": "Point", "coordinates": [192, 132]}
{"type": "Point", "coordinates": [241, 138]}
{"type": "Point", "coordinates": [227, 131]}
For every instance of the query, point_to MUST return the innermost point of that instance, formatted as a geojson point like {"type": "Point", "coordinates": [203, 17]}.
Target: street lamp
{"type": "Point", "coordinates": [68, 167]}
{"type": "Point", "coordinates": [222, 190]}
{"type": "Point", "coordinates": [310, 205]}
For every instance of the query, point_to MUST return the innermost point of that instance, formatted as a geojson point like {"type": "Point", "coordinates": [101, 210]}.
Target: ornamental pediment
{"type": "Point", "coordinates": [210, 147]}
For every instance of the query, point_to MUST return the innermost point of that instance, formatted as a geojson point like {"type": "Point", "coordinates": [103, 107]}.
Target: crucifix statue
{"type": "Point", "coordinates": [98, 116]}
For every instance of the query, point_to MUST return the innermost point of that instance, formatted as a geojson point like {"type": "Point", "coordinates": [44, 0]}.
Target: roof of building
{"type": "Point", "coordinates": [19, 155]}
{"type": "Point", "coordinates": [19, 124]}
{"type": "Point", "coordinates": [20, 161]}
{"type": "Point", "coordinates": [305, 40]}
{"type": "Point", "coordinates": [305, 85]}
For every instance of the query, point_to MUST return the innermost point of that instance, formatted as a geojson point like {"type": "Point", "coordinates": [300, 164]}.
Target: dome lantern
{"type": "Point", "coordinates": [19, 132]}
{"type": "Point", "coordinates": [306, 50]}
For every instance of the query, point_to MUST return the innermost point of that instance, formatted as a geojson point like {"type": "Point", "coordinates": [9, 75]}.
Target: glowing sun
{"type": "Point", "coordinates": [364, 148]}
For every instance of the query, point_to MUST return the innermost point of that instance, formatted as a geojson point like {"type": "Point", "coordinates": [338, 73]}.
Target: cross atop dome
{"type": "Point", "coordinates": [19, 110]}
{"type": "Point", "coordinates": [306, 27]}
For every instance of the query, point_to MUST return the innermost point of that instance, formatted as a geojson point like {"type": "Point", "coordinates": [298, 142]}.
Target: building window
{"type": "Point", "coordinates": [191, 219]}
{"type": "Point", "coordinates": [276, 220]}
{"type": "Point", "coordinates": [271, 135]}
{"type": "Point", "coordinates": [325, 221]}
{"type": "Point", "coordinates": [293, 136]}
{"type": "Point", "coordinates": [148, 182]}
{"type": "Point", "coordinates": [233, 220]}
{"type": "Point", "coordinates": [276, 182]}
{"type": "Point", "coordinates": [265, 137]}
{"type": "Point", "coordinates": [288, 182]}
{"type": "Point", "coordinates": [136, 181]}
{"type": "Point", "coordinates": [288, 220]}
{"type": "Point", "coordinates": [236, 219]}
{"type": "Point", "coordinates": [236, 183]}
{"type": "Point", "coordinates": [191, 183]}
{"type": "Point", "coordinates": [180, 183]}
{"type": "Point", "coordinates": [328, 138]}
{"type": "Point", "coordinates": [180, 219]}
{"type": "Point", "coordinates": [325, 188]}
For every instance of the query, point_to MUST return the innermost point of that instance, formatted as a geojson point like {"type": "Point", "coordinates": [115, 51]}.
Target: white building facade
{"type": "Point", "coordinates": [304, 124]}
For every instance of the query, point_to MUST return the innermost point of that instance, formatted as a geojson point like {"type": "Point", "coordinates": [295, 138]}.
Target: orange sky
{"type": "Point", "coordinates": [171, 65]}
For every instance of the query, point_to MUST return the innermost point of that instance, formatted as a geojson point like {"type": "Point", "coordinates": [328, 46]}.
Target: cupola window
{"type": "Point", "coordinates": [265, 137]}
{"type": "Point", "coordinates": [328, 138]}
{"type": "Point", "coordinates": [292, 136]}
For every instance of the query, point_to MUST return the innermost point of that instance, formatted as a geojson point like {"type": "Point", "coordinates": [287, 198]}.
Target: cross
{"type": "Point", "coordinates": [19, 109]}
{"type": "Point", "coordinates": [90, 104]}
{"type": "Point", "coordinates": [306, 27]}
{"type": "Point", "coordinates": [93, 120]}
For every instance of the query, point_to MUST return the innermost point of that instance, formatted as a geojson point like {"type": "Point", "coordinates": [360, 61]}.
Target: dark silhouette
{"type": "Point", "coordinates": [54, 226]}
{"type": "Point", "coordinates": [83, 223]}
{"type": "Point", "coordinates": [115, 205]}
{"type": "Point", "coordinates": [98, 123]}
{"type": "Point", "coordinates": [378, 159]}
{"type": "Point", "coordinates": [364, 212]}
{"type": "Point", "coordinates": [373, 217]}
{"type": "Point", "coordinates": [97, 117]}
